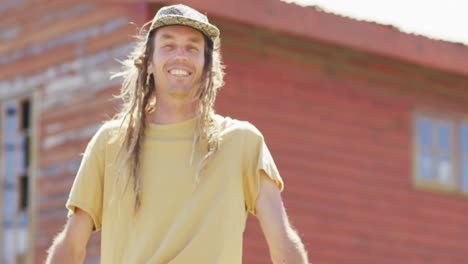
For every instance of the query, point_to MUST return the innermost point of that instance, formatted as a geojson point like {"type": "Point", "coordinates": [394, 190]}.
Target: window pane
{"type": "Point", "coordinates": [22, 233]}
{"type": "Point", "coordinates": [8, 247]}
{"type": "Point", "coordinates": [464, 173]}
{"type": "Point", "coordinates": [10, 121]}
{"type": "Point", "coordinates": [9, 161]}
{"type": "Point", "coordinates": [27, 150]}
{"type": "Point", "coordinates": [444, 170]}
{"type": "Point", "coordinates": [424, 132]}
{"type": "Point", "coordinates": [464, 139]}
{"type": "Point", "coordinates": [9, 194]}
{"type": "Point", "coordinates": [425, 165]}
{"type": "Point", "coordinates": [444, 136]}
{"type": "Point", "coordinates": [23, 193]}
{"type": "Point", "coordinates": [25, 107]}
{"type": "Point", "coordinates": [20, 154]}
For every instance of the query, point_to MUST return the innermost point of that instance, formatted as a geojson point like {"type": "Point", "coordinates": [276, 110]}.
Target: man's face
{"type": "Point", "coordinates": [177, 62]}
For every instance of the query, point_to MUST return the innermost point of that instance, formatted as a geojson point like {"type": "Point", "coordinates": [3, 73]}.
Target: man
{"type": "Point", "coordinates": [169, 181]}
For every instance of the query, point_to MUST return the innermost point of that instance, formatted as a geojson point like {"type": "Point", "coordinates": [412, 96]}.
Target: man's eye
{"type": "Point", "coordinates": [192, 48]}
{"type": "Point", "coordinates": [168, 46]}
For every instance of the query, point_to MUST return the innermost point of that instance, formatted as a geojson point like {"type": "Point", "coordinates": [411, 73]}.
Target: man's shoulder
{"type": "Point", "coordinates": [228, 125]}
{"type": "Point", "coordinates": [109, 131]}
{"type": "Point", "coordinates": [110, 126]}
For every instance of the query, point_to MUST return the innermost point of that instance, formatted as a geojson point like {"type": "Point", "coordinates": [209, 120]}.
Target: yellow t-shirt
{"type": "Point", "coordinates": [176, 223]}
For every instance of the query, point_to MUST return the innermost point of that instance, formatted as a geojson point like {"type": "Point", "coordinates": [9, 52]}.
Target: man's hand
{"type": "Point", "coordinates": [284, 243]}
{"type": "Point", "coordinates": [70, 245]}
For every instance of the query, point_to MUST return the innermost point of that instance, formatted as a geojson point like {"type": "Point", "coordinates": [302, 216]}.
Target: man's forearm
{"type": "Point", "coordinates": [62, 252]}
{"type": "Point", "coordinates": [291, 251]}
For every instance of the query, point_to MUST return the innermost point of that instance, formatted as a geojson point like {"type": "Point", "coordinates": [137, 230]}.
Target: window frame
{"type": "Point", "coordinates": [33, 96]}
{"type": "Point", "coordinates": [434, 185]}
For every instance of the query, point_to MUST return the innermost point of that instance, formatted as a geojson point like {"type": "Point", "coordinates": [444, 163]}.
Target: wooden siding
{"type": "Point", "coordinates": [339, 125]}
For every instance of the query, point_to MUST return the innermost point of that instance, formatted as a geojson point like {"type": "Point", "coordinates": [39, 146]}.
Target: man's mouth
{"type": "Point", "coordinates": [179, 72]}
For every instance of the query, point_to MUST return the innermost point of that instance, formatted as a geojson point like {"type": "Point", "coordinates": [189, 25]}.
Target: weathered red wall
{"type": "Point", "coordinates": [65, 52]}
{"type": "Point", "coordinates": [339, 124]}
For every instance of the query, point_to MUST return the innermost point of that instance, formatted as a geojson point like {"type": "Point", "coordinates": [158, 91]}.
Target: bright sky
{"type": "Point", "coordinates": [446, 20]}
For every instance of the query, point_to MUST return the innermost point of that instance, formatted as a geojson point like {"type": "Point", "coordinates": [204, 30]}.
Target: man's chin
{"type": "Point", "coordinates": [182, 92]}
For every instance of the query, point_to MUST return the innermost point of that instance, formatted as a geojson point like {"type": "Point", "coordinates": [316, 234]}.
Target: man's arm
{"type": "Point", "coordinates": [284, 243]}
{"type": "Point", "coordinates": [70, 245]}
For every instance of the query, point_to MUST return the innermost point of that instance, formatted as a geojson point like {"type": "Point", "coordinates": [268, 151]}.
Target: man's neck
{"type": "Point", "coordinates": [173, 113]}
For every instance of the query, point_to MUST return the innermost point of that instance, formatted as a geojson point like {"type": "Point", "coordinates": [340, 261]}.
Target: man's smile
{"type": "Point", "coordinates": [179, 72]}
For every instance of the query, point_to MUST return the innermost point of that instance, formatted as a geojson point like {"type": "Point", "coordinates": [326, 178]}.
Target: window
{"type": "Point", "coordinates": [463, 137]}
{"type": "Point", "coordinates": [441, 152]}
{"type": "Point", "coordinates": [15, 137]}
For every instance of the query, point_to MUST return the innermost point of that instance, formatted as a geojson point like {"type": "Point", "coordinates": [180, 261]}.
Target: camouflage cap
{"type": "Point", "coordinates": [185, 16]}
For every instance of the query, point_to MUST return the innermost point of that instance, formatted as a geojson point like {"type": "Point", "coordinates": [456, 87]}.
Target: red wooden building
{"type": "Point", "coordinates": [368, 125]}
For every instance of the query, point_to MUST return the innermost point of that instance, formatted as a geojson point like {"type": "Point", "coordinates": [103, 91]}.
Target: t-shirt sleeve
{"type": "Point", "coordinates": [258, 158]}
{"type": "Point", "coordinates": [87, 189]}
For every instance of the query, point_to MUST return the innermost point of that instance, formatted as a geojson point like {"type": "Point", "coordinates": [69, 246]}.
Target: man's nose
{"type": "Point", "coordinates": [181, 52]}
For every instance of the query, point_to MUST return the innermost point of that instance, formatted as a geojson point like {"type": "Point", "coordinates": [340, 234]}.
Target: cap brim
{"type": "Point", "coordinates": [207, 29]}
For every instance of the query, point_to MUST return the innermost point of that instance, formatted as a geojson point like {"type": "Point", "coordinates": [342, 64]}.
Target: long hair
{"type": "Point", "coordinates": [139, 100]}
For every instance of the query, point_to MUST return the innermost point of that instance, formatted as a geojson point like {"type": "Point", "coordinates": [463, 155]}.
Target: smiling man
{"type": "Point", "coordinates": [168, 180]}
